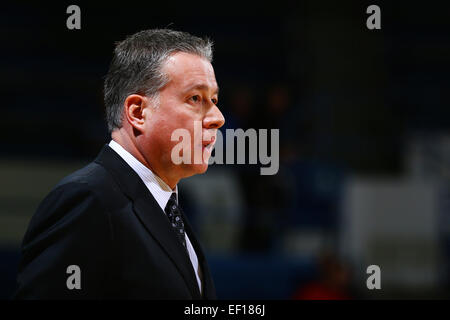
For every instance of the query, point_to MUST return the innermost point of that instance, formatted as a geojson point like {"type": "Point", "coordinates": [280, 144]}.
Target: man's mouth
{"type": "Point", "coordinates": [209, 144]}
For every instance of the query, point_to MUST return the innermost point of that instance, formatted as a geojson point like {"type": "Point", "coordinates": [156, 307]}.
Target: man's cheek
{"type": "Point", "coordinates": [181, 147]}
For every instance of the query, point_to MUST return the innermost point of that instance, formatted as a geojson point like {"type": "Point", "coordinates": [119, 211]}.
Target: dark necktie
{"type": "Point", "coordinates": [173, 213]}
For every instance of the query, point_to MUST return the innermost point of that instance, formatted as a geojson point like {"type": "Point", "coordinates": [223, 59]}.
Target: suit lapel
{"type": "Point", "coordinates": [150, 214]}
{"type": "Point", "coordinates": [158, 225]}
{"type": "Point", "coordinates": [209, 291]}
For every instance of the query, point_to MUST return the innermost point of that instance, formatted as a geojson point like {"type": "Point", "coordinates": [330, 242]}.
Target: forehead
{"type": "Point", "coordinates": [186, 70]}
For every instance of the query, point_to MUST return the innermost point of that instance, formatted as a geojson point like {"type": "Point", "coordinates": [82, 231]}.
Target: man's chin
{"type": "Point", "coordinates": [193, 169]}
{"type": "Point", "coordinates": [200, 168]}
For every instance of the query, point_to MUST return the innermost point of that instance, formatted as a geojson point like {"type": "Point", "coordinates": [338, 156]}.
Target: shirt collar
{"type": "Point", "coordinates": [157, 187]}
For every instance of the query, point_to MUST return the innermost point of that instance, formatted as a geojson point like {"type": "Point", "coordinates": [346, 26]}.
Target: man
{"type": "Point", "coordinates": [114, 229]}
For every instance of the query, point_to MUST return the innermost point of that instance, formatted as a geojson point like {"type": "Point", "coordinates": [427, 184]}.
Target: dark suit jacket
{"type": "Point", "coordinates": [103, 219]}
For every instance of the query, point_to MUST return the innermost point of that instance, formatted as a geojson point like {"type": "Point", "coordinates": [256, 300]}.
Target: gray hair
{"type": "Point", "coordinates": [136, 67]}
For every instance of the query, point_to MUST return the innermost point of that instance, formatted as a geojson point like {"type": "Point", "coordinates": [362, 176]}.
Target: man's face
{"type": "Point", "coordinates": [190, 96]}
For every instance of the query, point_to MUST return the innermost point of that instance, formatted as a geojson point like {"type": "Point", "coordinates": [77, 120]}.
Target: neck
{"type": "Point", "coordinates": [122, 137]}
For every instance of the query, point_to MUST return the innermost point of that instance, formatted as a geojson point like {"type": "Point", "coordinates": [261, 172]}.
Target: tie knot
{"type": "Point", "coordinates": [173, 197]}
{"type": "Point", "coordinates": [172, 203]}
{"type": "Point", "coordinates": [175, 219]}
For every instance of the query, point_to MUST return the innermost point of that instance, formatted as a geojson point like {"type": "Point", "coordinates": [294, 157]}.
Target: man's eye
{"type": "Point", "coordinates": [196, 98]}
{"type": "Point", "coordinates": [214, 101]}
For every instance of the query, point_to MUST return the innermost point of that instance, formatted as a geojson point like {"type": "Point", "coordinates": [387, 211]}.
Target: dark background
{"type": "Point", "coordinates": [356, 109]}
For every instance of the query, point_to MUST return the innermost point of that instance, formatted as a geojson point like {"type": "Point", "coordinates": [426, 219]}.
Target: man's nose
{"type": "Point", "coordinates": [214, 118]}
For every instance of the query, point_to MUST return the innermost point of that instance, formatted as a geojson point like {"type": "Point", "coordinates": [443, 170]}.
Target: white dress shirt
{"type": "Point", "coordinates": [161, 192]}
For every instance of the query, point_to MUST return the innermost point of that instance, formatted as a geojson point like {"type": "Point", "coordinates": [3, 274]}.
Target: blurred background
{"type": "Point", "coordinates": [364, 124]}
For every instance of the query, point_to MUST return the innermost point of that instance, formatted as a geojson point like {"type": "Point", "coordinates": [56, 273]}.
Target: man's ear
{"type": "Point", "coordinates": [134, 107]}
